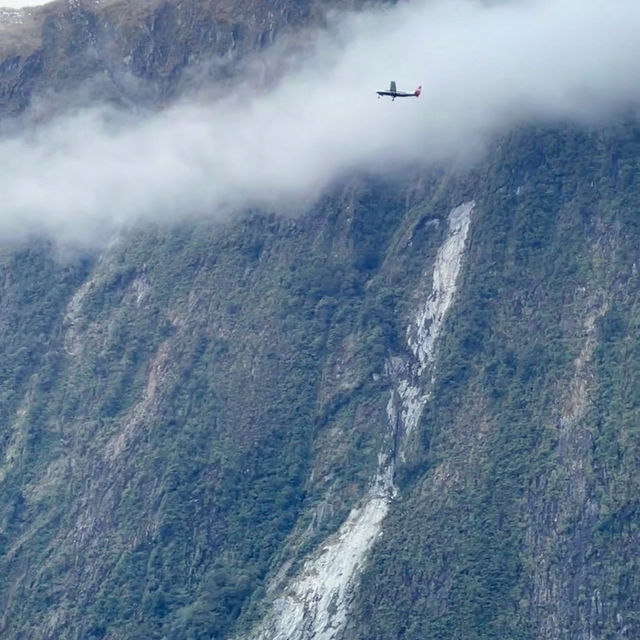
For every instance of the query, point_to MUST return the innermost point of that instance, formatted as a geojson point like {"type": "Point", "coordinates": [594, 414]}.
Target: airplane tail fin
{"type": "Point", "coordinates": [418, 91]}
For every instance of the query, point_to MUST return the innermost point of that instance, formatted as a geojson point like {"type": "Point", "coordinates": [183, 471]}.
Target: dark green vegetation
{"type": "Point", "coordinates": [188, 413]}
{"type": "Point", "coordinates": [197, 406]}
{"type": "Point", "coordinates": [519, 518]}
{"type": "Point", "coordinates": [173, 409]}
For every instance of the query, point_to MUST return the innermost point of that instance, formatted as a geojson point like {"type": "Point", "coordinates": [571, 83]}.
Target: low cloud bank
{"type": "Point", "coordinates": [483, 68]}
{"type": "Point", "coordinates": [19, 4]}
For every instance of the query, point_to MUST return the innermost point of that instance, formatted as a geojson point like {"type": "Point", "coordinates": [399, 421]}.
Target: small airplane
{"type": "Point", "coordinates": [394, 93]}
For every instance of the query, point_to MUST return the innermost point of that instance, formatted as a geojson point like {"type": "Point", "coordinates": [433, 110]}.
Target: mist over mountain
{"type": "Point", "coordinates": [19, 4]}
{"type": "Point", "coordinates": [485, 69]}
{"type": "Point", "coordinates": [327, 367]}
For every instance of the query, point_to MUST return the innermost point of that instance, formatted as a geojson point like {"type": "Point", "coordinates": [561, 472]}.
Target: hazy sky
{"type": "Point", "coordinates": [17, 4]}
{"type": "Point", "coordinates": [483, 68]}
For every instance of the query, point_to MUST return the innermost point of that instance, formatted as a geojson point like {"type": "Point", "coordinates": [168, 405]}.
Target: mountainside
{"type": "Point", "coordinates": [143, 52]}
{"type": "Point", "coordinates": [409, 411]}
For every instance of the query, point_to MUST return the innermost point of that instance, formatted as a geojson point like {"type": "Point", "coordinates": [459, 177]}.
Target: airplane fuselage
{"type": "Point", "coordinates": [397, 94]}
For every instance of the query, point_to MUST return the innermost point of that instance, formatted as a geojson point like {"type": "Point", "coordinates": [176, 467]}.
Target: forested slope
{"type": "Point", "coordinates": [408, 410]}
{"type": "Point", "coordinates": [184, 401]}
{"type": "Point", "coordinates": [518, 516]}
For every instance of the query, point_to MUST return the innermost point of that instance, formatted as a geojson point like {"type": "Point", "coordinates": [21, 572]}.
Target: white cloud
{"type": "Point", "coordinates": [483, 68]}
{"type": "Point", "coordinates": [19, 4]}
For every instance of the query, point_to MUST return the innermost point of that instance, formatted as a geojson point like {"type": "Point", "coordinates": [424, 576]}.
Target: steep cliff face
{"type": "Point", "coordinates": [230, 381]}
{"type": "Point", "coordinates": [141, 53]}
{"type": "Point", "coordinates": [317, 602]}
{"type": "Point", "coordinates": [409, 412]}
{"type": "Point", "coordinates": [501, 528]}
